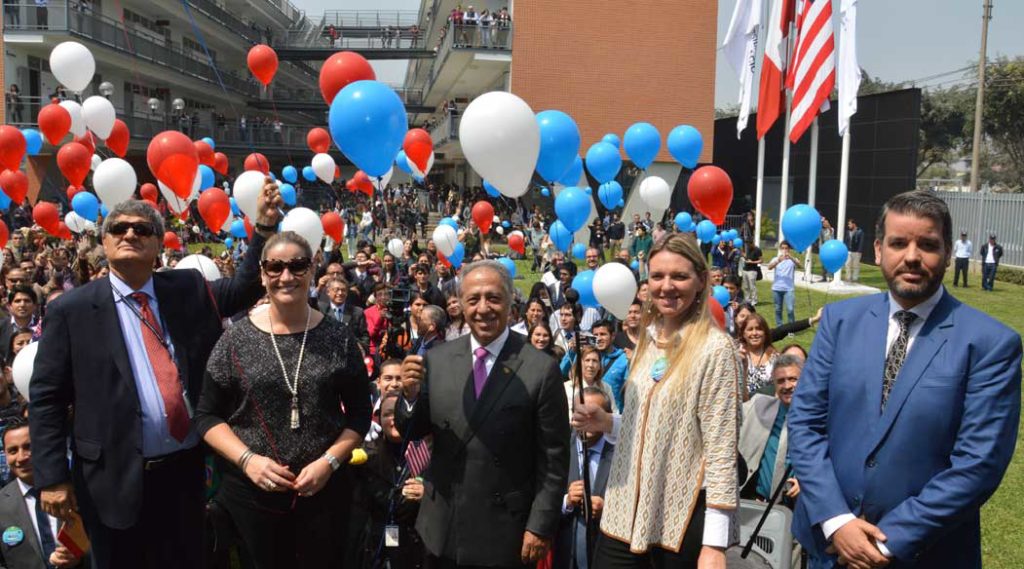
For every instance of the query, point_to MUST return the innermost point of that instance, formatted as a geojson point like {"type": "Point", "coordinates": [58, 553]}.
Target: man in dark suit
{"type": "Point", "coordinates": [333, 303]}
{"type": "Point", "coordinates": [991, 253]}
{"type": "Point", "coordinates": [129, 353]}
{"type": "Point", "coordinates": [429, 292]}
{"type": "Point", "coordinates": [30, 535]}
{"type": "Point", "coordinates": [497, 412]}
{"type": "Point", "coordinates": [907, 412]}
{"type": "Point", "coordinates": [23, 306]}
{"type": "Point", "coordinates": [572, 549]}
{"type": "Point", "coordinates": [359, 275]}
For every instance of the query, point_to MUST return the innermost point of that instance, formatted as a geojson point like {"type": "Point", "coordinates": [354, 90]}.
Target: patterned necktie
{"type": "Point", "coordinates": [164, 371]}
{"type": "Point", "coordinates": [337, 314]}
{"type": "Point", "coordinates": [46, 541]}
{"type": "Point", "coordinates": [897, 353]}
{"type": "Point", "coordinates": [479, 369]}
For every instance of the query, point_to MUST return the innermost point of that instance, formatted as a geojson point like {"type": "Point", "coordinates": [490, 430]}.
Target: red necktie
{"type": "Point", "coordinates": [164, 370]}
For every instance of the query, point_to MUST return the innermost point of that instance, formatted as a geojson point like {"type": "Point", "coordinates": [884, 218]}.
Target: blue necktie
{"type": "Point", "coordinates": [337, 314]}
{"type": "Point", "coordinates": [46, 540]}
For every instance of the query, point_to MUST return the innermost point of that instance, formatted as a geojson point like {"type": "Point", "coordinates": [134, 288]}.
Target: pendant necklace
{"type": "Point", "coordinates": [293, 386]}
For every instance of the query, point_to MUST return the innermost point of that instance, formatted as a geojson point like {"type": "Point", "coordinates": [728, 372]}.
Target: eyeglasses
{"type": "Point", "coordinates": [297, 266]}
{"type": "Point", "coordinates": [140, 228]}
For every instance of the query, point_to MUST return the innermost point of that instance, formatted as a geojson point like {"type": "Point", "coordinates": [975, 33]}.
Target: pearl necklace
{"type": "Point", "coordinates": [293, 386]}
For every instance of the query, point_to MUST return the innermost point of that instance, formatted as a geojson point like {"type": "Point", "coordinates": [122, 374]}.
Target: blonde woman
{"type": "Point", "coordinates": [672, 486]}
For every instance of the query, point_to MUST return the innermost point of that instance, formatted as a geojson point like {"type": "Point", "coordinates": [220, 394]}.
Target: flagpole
{"type": "Point", "coordinates": [784, 189]}
{"type": "Point", "coordinates": [844, 174]}
{"type": "Point", "coordinates": [812, 190]}
{"type": "Point", "coordinates": [758, 201]}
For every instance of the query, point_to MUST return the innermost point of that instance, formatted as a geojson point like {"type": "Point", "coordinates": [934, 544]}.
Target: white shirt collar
{"type": "Point", "coordinates": [494, 348]}
{"type": "Point", "coordinates": [125, 290]}
{"type": "Point", "coordinates": [923, 310]}
{"type": "Point", "coordinates": [25, 488]}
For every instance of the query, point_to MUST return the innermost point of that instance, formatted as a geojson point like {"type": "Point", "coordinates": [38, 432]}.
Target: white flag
{"type": "Point", "coordinates": [849, 69]}
{"type": "Point", "coordinates": [740, 49]}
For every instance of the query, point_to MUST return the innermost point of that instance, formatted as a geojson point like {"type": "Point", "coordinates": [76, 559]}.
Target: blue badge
{"type": "Point", "coordinates": [13, 536]}
{"type": "Point", "coordinates": [659, 368]}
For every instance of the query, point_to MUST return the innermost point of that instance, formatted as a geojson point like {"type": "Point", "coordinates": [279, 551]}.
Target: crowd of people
{"type": "Point", "coordinates": [350, 406]}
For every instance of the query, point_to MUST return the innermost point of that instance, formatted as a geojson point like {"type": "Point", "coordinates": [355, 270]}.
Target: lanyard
{"type": "Point", "coordinates": [160, 334]}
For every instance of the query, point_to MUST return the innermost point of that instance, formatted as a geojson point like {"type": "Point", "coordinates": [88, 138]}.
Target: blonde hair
{"type": "Point", "coordinates": [697, 324]}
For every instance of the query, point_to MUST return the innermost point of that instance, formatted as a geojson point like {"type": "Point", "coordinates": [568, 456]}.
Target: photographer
{"type": "Point", "coordinates": [614, 362]}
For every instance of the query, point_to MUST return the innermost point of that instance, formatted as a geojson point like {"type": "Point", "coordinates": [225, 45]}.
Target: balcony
{"type": "Point", "coordinates": [445, 129]}
{"type": "Point", "coordinates": [491, 47]}
{"type": "Point", "coordinates": [373, 34]}
{"type": "Point", "coordinates": [285, 99]}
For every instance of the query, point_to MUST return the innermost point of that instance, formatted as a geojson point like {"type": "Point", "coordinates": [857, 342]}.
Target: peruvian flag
{"type": "Point", "coordinates": [771, 102]}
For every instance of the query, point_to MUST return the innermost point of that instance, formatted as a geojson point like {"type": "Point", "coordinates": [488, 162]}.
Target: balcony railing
{"type": "Point", "coordinates": [408, 96]}
{"type": "Point", "coordinates": [364, 38]}
{"type": "Point", "coordinates": [445, 129]}
{"type": "Point", "coordinates": [370, 18]}
{"type": "Point", "coordinates": [463, 37]}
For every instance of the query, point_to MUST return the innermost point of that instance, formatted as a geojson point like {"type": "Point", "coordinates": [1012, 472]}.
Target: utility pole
{"type": "Point", "coordinates": [979, 105]}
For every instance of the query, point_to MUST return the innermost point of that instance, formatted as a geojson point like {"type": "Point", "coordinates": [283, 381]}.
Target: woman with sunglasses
{"type": "Point", "coordinates": [271, 408]}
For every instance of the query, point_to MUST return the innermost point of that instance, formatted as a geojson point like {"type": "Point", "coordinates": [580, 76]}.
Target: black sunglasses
{"type": "Point", "coordinates": [140, 228]}
{"type": "Point", "coordinates": [297, 266]}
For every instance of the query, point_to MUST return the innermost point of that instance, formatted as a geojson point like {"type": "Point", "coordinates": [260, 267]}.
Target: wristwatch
{"type": "Point", "coordinates": [334, 462]}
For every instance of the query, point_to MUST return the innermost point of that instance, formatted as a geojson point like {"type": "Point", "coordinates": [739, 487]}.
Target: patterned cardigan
{"type": "Point", "coordinates": [674, 440]}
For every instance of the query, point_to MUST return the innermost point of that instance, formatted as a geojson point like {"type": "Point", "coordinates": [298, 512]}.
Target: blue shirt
{"type": "Point", "coordinates": [766, 469]}
{"type": "Point", "coordinates": [784, 273]}
{"type": "Point", "coordinates": [156, 437]}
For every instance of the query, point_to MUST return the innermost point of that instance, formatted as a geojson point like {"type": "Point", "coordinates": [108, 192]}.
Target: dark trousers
{"type": "Point", "coordinates": [988, 275]}
{"type": "Point", "coordinates": [960, 266]}
{"type": "Point", "coordinates": [169, 531]}
{"type": "Point", "coordinates": [611, 553]}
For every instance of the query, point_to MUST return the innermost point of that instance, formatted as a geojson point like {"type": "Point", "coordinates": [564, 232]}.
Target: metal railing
{"type": "Point", "coordinates": [446, 129]}
{"type": "Point", "coordinates": [984, 213]}
{"type": "Point", "coordinates": [362, 38]}
{"type": "Point", "coordinates": [460, 37]}
{"type": "Point", "coordinates": [408, 96]}
{"type": "Point", "coordinates": [370, 18]}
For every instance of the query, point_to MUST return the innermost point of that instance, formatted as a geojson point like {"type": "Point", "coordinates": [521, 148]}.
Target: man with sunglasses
{"type": "Point", "coordinates": [128, 352]}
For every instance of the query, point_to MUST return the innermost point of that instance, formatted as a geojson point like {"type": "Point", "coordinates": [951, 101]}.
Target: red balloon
{"type": "Point", "coordinates": [63, 231]}
{"type": "Point", "coordinates": [319, 140]}
{"type": "Point", "coordinates": [12, 147]}
{"type": "Point", "coordinates": [517, 243]}
{"type": "Point", "coordinates": [341, 69]}
{"type": "Point", "coordinates": [88, 142]}
{"type": "Point", "coordinates": [73, 190]}
{"type": "Point", "coordinates": [74, 161]}
{"type": "Point", "coordinates": [205, 153]}
{"type": "Point", "coordinates": [717, 313]}
{"type": "Point", "coordinates": [220, 163]}
{"type": "Point", "coordinates": [248, 226]}
{"type": "Point", "coordinates": [257, 161]}
{"type": "Point", "coordinates": [171, 240]}
{"type": "Point", "coordinates": [54, 122]}
{"type": "Point", "coordinates": [710, 191]}
{"type": "Point", "coordinates": [418, 147]}
{"type": "Point", "coordinates": [333, 225]}
{"type": "Point", "coordinates": [149, 193]}
{"type": "Point", "coordinates": [483, 215]}
{"type": "Point", "coordinates": [184, 213]}
{"type": "Point", "coordinates": [119, 138]}
{"type": "Point", "coordinates": [15, 185]}
{"type": "Point", "coordinates": [262, 60]}
{"type": "Point", "coordinates": [444, 260]}
{"type": "Point", "coordinates": [4, 234]}
{"type": "Point", "coordinates": [361, 183]}
{"type": "Point", "coordinates": [173, 160]}
{"type": "Point", "coordinates": [45, 214]}
{"type": "Point", "coordinates": [215, 207]}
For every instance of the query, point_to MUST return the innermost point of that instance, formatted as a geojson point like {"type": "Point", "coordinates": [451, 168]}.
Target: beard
{"type": "Point", "coordinates": [912, 291]}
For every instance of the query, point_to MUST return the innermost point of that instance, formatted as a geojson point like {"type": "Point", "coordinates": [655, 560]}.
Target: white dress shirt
{"type": "Point", "coordinates": [30, 503]}
{"type": "Point", "coordinates": [594, 458]}
{"type": "Point", "coordinates": [493, 349]}
{"type": "Point", "coordinates": [962, 249]}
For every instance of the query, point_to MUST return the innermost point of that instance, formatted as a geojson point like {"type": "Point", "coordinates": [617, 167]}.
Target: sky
{"type": "Point", "coordinates": [899, 40]}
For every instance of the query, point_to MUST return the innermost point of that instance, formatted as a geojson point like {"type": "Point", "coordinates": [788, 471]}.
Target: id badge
{"type": "Point", "coordinates": [390, 536]}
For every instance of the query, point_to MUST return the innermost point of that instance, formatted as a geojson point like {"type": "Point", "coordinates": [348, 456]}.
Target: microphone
{"type": "Point", "coordinates": [572, 296]}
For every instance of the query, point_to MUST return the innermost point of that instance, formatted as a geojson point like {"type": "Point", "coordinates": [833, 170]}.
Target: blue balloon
{"type": "Point", "coordinates": [417, 178]}
{"type": "Point", "coordinates": [560, 236]}
{"type": "Point", "coordinates": [238, 229]}
{"type": "Point", "coordinates": [104, 210]}
{"type": "Point", "coordinates": [545, 192]}
{"type": "Point", "coordinates": [559, 144]}
{"type": "Point", "coordinates": [572, 206]}
{"type": "Point", "coordinates": [642, 143]}
{"type": "Point", "coordinates": [33, 141]}
{"type": "Point", "coordinates": [635, 265]}
{"type": "Point", "coordinates": [206, 177]}
{"type": "Point", "coordinates": [308, 173]}
{"type": "Point", "coordinates": [705, 230]}
{"type": "Point", "coordinates": [603, 161]}
{"type": "Point", "coordinates": [721, 294]}
{"type": "Point", "coordinates": [234, 208]}
{"type": "Point", "coordinates": [210, 141]}
{"type": "Point", "coordinates": [288, 194]}
{"type": "Point", "coordinates": [833, 255]}
{"type": "Point", "coordinates": [731, 234]}
{"type": "Point", "coordinates": [86, 205]}
{"type": "Point", "coordinates": [716, 239]}
{"type": "Point", "coordinates": [449, 222]}
{"type": "Point", "coordinates": [737, 243]}
{"type": "Point", "coordinates": [801, 225]}
{"type": "Point", "coordinates": [506, 224]}
{"type": "Point", "coordinates": [5, 201]}
{"type": "Point", "coordinates": [612, 139]}
{"type": "Point", "coordinates": [584, 284]}
{"type": "Point", "coordinates": [610, 194]}
{"type": "Point", "coordinates": [683, 221]}
{"type": "Point", "coordinates": [579, 251]}
{"type": "Point", "coordinates": [290, 174]}
{"type": "Point", "coordinates": [509, 264]}
{"type": "Point", "coordinates": [685, 145]}
{"type": "Point", "coordinates": [457, 255]}
{"type": "Point", "coordinates": [402, 162]}
{"type": "Point", "coordinates": [229, 242]}
{"type": "Point", "coordinates": [368, 123]}
{"type": "Point", "coordinates": [272, 176]}
{"type": "Point", "coordinates": [491, 190]}
{"type": "Point", "coordinates": [587, 190]}
{"type": "Point", "coordinates": [573, 174]}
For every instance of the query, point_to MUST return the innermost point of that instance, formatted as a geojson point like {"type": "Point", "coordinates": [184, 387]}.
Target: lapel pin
{"type": "Point", "coordinates": [13, 536]}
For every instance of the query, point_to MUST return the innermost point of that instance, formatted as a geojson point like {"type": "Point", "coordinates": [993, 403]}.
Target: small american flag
{"type": "Point", "coordinates": [812, 76]}
{"type": "Point", "coordinates": [417, 456]}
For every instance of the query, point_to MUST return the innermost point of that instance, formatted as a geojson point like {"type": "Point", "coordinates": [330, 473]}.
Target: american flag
{"type": "Point", "coordinates": [417, 456]}
{"type": "Point", "coordinates": [812, 75]}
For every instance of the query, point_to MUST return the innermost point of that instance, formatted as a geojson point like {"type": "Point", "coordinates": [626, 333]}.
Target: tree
{"type": "Point", "coordinates": [943, 135]}
{"type": "Point", "coordinates": [1004, 119]}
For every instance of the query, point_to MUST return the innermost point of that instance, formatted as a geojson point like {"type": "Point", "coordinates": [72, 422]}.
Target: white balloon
{"type": "Point", "coordinates": [323, 166]}
{"type": "Point", "coordinates": [24, 362]}
{"type": "Point", "coordinates": [306, 223]}
{"type": "Point", "coordinates": [99, 115]}
{"type": "Point", "coordinates": [114, 181]}
{"type": "Point", "coordinates": [177, 204]}
{"type": "Point", "coordinates": [73, 65]}
{"type": "Point", "coordinates": [416, 170]}
{"type": "Point", "coordinates": [96, 161]}
{"type": "Point", "coordinates": [655, 192]}
{"type": "Point", "coordinates": [501, 140]}
{"type": "Point", "coordinates": [396, 247]}
{"type": "Point", "coordinates": [445, 239]}
{"type": "Point", "coordinates": [75, 222]}
{"type": "Point", "coordinates": [615, 288]}
{"type": "Point", "coordinates": [500, 230]}
{"type": "Point", "coordinates": [227, 223]}
{"type": "Point", "coordinates": [383, 182]}
{"type": "Point", "coordinates": [201, 263]}
{"type": "Point", "coordinates": [77, 121]}
{"type": "Point", "coordinates": [246, 192]}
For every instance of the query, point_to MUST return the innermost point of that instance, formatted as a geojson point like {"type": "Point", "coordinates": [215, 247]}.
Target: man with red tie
{"type": "Point", "coordinates": [128, 353]}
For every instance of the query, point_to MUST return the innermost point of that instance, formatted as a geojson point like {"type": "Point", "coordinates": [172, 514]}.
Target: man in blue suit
{"type": "Point", "coordinates": [907, 412]}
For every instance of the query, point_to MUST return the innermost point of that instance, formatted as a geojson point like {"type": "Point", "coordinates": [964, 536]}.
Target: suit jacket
{"type": "Point", "coordinates": [28, 554]}
{"type": "Point", "coordinates": [572, 531]}
{"type": "Point", "coordinates": [353, 318]}
{"type": "Point", "coordinates": [997, 252]}
{"type": "Point", "coordinates": [83, 361]}
{"type": "Point", "coordinates": [921, 469]}
{"type": "Point", "coordinates": [499, 464]}
{"type": "Point", "coordinates": [759, 414]}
